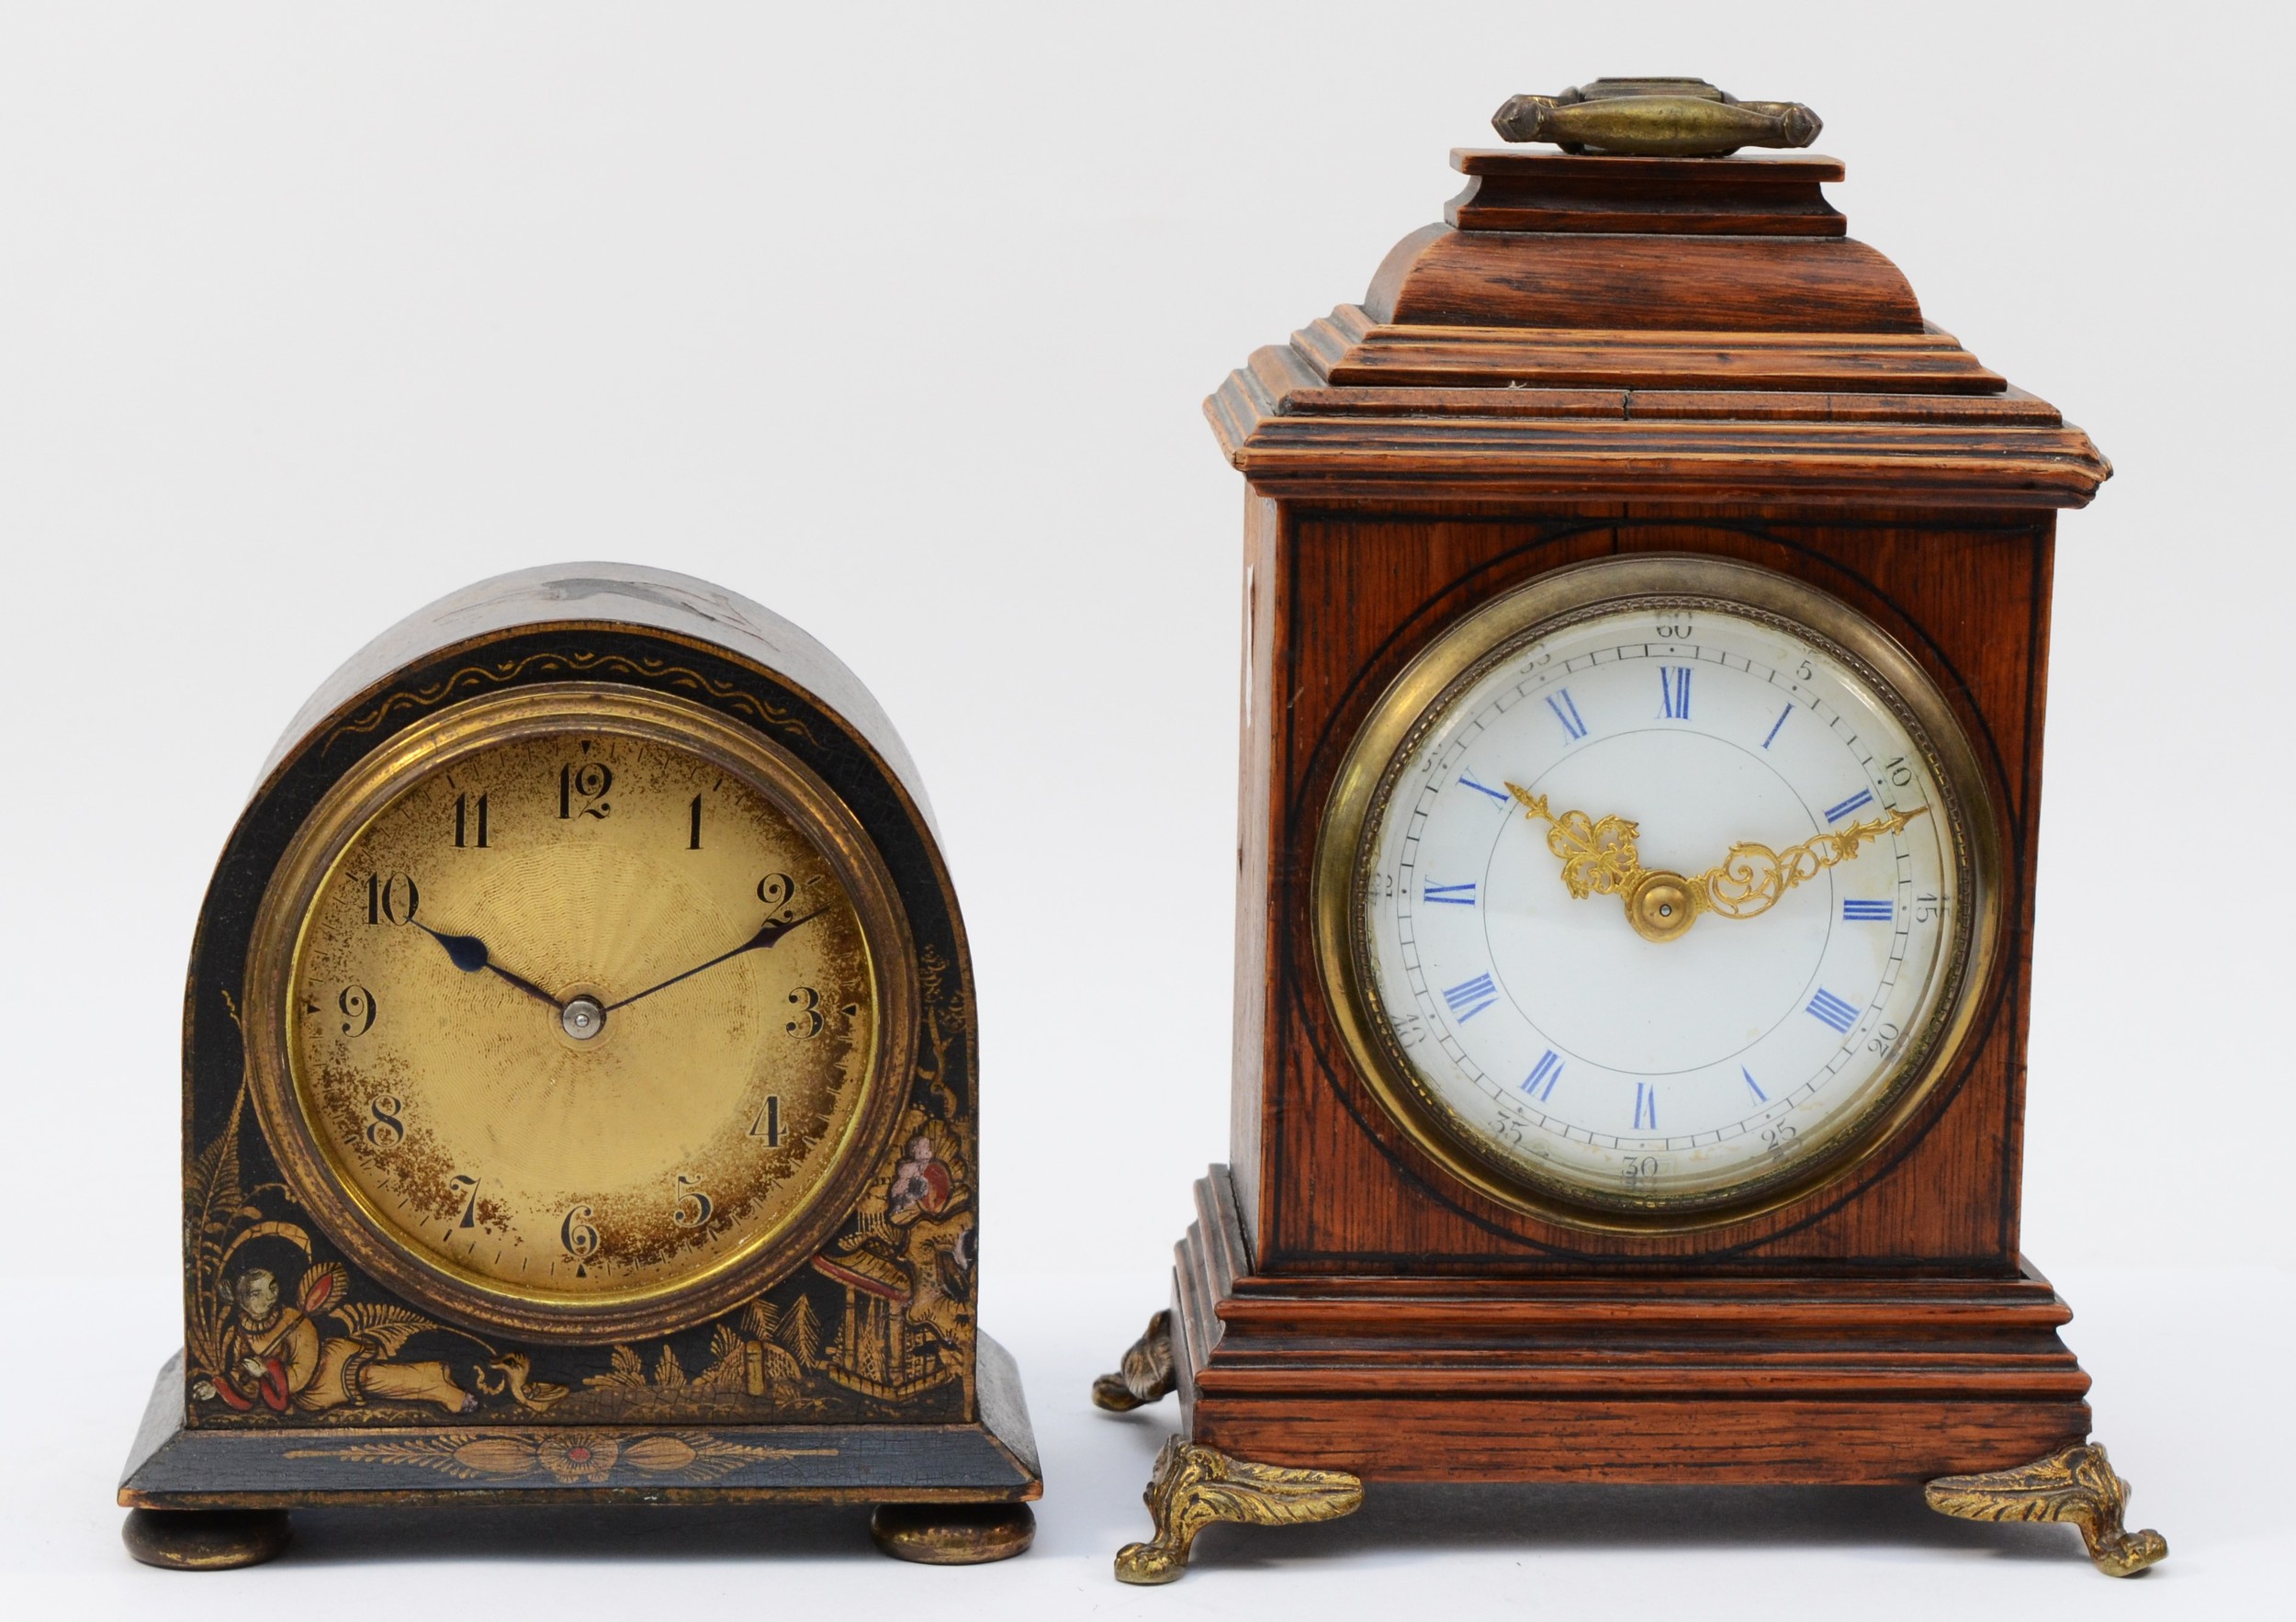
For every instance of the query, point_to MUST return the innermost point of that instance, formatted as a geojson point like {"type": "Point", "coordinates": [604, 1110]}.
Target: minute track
{"type": "Point", "coordinates": [1651, 1053]}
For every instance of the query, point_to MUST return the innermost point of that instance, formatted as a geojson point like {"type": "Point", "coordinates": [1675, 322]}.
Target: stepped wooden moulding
{"type": "Point", "coordinates": [1609, 386]}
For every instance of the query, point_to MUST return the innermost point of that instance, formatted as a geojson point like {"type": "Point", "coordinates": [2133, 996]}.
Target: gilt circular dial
{"type": "Point", "coordinates": [579, 999]}
{"type": "Point", "coordinates": [1661, 900]}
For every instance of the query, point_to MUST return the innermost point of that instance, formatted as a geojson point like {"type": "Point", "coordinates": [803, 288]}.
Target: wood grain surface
{"type": "Point", "coordinates": [1601, 357]}
{"type": "Point", "coordinates": [1511, 190]}
{"type": "Point", "coordinates": [1618, 1377]}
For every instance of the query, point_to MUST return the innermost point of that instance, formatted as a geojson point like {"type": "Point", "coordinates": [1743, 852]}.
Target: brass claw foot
{"type": "Point", "coordinates": [2076, 1485]}
{"type": "Point", "coordinates": [1146, 1373]}
{"type": "Point", "coordinates": [1194, 1487]}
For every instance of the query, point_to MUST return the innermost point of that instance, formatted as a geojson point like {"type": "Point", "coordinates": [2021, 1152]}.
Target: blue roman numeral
{"type": "Point", "coordinates": [1471, 998]}
{"type": "Point", "coordinates": [1568, 714]}
{"type": "Point", "coordinates": [1646, 1106]}
{"type": "Point", "coordinates": [1540, 1082]}
{"type": "Point", "coordinates": [1674, 691]}
{"type": "Point", "coordinates": [1483, 788]}
{"type": "Point", "coordinates": [1452, 895]}
{"type": "Point", "coordinates": [1753, 1087]}
{"type": "Point", "coordinates": [1870, 912]}
{"type": "Point", "coordinates": [1831, 1010]}
{"type": "Point", "coordinates": [1775, 725]}
{"type": "Point", "coordinates": [1865, 797]}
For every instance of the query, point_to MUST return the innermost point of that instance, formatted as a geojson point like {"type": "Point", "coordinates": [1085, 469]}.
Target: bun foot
{"type": "Point", "coordinates": [204, 1539]}
{"type": "Point", "coordinates": [953, 1534]}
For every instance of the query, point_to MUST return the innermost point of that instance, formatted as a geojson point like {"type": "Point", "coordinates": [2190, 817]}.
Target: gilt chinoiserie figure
{"type": "Point", "coordinates": [1648, 626]}
{"type": "Point", "coordinates": [579, 1096]}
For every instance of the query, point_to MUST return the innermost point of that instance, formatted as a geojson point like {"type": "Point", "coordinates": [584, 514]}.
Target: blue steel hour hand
{"type": "Point", "coordinates": [469, 955]}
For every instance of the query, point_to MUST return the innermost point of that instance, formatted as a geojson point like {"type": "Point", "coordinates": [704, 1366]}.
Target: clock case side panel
{"type": "Point", "coordinates": [1335, 1187]}
{"type": "Point", "coordinates": [816, 1347]}
{"type": "Point", "coordinates": [1253, 1033]}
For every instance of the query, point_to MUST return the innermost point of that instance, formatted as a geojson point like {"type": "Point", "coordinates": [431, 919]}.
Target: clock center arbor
{"type": "Point", "coordinates": [1647, 634]}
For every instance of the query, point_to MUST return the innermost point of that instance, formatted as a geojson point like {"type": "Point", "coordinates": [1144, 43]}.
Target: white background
{"type": "Point", "coordinates": [898, 320]}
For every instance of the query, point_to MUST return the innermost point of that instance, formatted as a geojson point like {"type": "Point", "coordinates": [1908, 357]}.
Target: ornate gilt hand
{"type": "Point", "coordinates": [1599, 859]}
{"type": "Point", "coordinates": [1751, 878]}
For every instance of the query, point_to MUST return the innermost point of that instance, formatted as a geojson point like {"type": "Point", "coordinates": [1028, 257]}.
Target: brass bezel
{"type": "Point", "coordinates": [1461, 655]}
{"type": "Point", "coordinates": [374, 1243]}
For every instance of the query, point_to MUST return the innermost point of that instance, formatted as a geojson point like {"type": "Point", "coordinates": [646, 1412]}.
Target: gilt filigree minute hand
{"type": "Point", "coordinates": [1599, 859]}
{"type": "Point", "coordinates": [773, 930]}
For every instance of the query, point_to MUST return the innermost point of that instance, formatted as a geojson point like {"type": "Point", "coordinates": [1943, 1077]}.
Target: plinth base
{"type": "Point", "coordinates": [948, 1493]}
{"type": "Point", "coordinates": [1810, 1382]}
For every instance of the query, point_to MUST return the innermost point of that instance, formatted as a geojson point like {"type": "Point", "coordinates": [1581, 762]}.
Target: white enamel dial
{"type": "Point", "coordinates": [1798, 951]}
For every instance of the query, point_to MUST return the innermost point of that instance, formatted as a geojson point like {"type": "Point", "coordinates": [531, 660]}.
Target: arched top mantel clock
{"type": "Point", "coordinates": [578, 1096]}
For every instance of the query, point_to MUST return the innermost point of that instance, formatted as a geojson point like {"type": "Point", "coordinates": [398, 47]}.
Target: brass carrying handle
{"type": "Point", "coordinates": [1655, 117]}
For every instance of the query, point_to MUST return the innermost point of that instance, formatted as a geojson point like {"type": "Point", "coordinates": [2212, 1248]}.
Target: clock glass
{"type": "Point", "coordinates": [577, 999]}
{"type": "Point", "coordinates": [1663, 899]}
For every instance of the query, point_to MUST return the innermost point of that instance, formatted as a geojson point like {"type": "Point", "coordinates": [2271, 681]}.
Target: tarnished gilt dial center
{"type": "Point", "coordinates": [581, 1013]}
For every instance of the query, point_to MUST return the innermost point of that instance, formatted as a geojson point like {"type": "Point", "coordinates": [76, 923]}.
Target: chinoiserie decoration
{"type": "Point", "coordinates": [580, 1096]}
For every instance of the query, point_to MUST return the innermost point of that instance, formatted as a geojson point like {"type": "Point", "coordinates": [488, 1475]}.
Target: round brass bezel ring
{"type": "Point", "coordinates": [1482, 640]}
{"type": "Point", "coordinates": [376, 1245]}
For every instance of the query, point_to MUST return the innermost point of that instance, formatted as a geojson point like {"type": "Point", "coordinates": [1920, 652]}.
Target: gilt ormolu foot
{"type": "Point", "coordinates": [1193, 1487]}
{"type": "Point", "coordinates": [2076, 1485]}
{"type": "Point", "coordinates": [204, 1539]}
{"type": "Point", "coordinates": [1145, 1374]}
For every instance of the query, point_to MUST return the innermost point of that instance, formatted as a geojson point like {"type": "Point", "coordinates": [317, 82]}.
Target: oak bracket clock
{"type": "Point", "coordinates": [579, 1096]}
{"type": "Point", "coordinates": [1646, 641]}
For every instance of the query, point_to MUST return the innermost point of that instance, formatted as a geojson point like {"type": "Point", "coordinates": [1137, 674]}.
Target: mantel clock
{"type": "Point", "coordinates": [578, 1096]}
{"type": "Point", "coordinates": [1646, 627]}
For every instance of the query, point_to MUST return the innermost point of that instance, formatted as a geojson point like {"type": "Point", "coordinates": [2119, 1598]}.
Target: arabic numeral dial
{"type": "Point", "coordinates": [581, 1007]}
